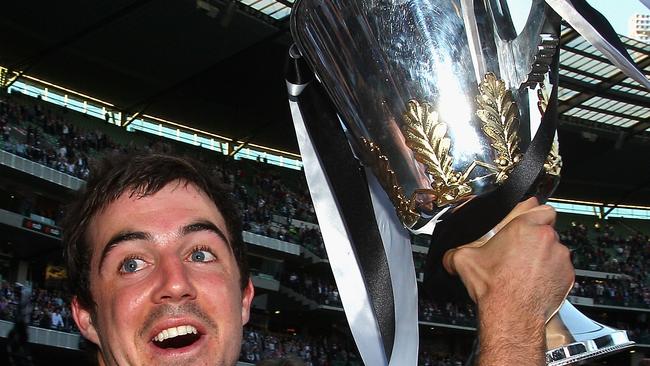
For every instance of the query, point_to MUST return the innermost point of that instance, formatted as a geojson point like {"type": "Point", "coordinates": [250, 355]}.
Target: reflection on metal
{"type": "Point", "coordinates": [428, 138]}
{"type": "Point", "coordinates": [557, 333]}
{"type": "Point", "coordinates": [404, 207]}
{"type": "Point", "coordinates": [499, 113]}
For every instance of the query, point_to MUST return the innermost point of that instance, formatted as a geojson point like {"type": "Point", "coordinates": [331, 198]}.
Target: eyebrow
{"type": "Point", "coordinates": [204, 225]}
{"type": "Point", "coordinates": [126, 236]}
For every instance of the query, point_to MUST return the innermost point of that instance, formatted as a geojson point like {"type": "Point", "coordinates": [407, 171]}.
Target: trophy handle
{"type": "Point", "coordinates": [503, 19]}
{"type": "Point", "coordinates": [524, 58]}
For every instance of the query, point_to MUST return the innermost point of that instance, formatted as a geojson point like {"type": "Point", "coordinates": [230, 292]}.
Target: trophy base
{"type": "Point", "coordinates": [580, 351]}
{"type": "Point", "coordinates": [572, 337]}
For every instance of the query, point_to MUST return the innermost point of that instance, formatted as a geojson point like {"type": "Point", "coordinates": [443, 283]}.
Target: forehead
{"type": "Point", "coordinates": [174, 205]}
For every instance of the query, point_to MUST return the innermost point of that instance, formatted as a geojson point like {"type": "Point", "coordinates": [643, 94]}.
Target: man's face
{"type": "Point", "coordinates": [165, 281]}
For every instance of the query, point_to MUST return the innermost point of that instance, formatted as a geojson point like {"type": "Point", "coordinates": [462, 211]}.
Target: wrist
{"type": "Point", "coordinates": [510, 335]}
{"type": "Point", "coordinates": [505, 312]}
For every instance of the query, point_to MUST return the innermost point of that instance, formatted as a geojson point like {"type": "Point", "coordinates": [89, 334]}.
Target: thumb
{"type": "Point", "coordinates": [448, 261]}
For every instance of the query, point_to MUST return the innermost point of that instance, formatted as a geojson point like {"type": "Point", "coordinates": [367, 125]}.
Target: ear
{"type": "Point", "coordinates": [84, 321]}
{"type": "Point", "coordinates": [247, 297]}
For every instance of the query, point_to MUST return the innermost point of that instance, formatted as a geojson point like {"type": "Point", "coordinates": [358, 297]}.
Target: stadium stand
{"type": "Point", "coordinates": [275, 205]}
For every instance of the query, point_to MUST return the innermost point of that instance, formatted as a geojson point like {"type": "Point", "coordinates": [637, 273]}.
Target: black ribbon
{"type": "Point", "coordinates": [348, 182]}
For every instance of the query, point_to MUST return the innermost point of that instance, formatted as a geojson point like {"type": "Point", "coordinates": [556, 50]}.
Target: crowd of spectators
{"type": "Point", "coordinates": [48, 309]}
{"type": "Point", "coordinates": [600, 248]}
{"type": "Point", "coordinates": [43, 136]}
{"type": "Point", "coordinates": [431, 358]}
{"type": "Point", "coordinates": [447, 313]}
{"type": "Point", "coordinates": [258, 345]}
{"type": "Point", "coordinates": [319, 289]}
{"type": "Point", "coordinates": [626, 258]}
{"type": "Point", "coordinates": [619, 291]}
{"type": "Point", "coordinates": [313, 351]}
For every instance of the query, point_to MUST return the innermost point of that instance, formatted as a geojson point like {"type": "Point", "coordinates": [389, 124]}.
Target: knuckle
{"type": "Point", "coordinates": [569, 277]}
{"type": "Point", "coordinates": [463, 257]}
{"type": "Point", "coordinates": [550, 209]}
{"type": "Point", "coordinates": [571, 274]}
{"type": "Point", "coordinates": [564, 257]}
{"type": "Point", "coordinates": [459, 255]}
{"type": "Point", "coordinates": [566, 252]}
{"type": "Point", "coordinates": [546, 234]}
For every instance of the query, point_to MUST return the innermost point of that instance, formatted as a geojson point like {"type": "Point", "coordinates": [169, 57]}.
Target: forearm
{"type": "Point", "coordinates": [510, 337]}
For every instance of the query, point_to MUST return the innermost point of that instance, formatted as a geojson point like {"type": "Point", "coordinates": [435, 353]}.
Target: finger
{"type": "Point", "coordinates": [526, 205]}
{"type": "Point", "coordinates": [448, 258]}
{"type": "Point", "coordinates": [540, 215]}
{"type": "Point", "coordinates": [521, 208]}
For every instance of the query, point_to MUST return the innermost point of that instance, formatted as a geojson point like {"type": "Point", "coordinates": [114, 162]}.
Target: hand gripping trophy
{"type": "Point", "coordinates": [430, 116]}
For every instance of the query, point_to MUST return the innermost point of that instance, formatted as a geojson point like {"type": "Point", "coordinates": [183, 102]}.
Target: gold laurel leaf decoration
{"type": "Point", "coordinates": [388, 180]}
{"type": "Point", "coordinates": [497, 110]}
{"type": "Point", "coordinates": [553, 163]}
{"type": "Point", "coordinates": [427, 137]}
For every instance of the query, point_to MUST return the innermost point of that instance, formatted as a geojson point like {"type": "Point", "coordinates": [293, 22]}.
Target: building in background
{"type": "Point", "coordinates": [639, 27]}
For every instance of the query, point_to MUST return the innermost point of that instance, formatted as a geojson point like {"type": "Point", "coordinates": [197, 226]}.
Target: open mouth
{"type": "Point", "coordinates": [176, 337]}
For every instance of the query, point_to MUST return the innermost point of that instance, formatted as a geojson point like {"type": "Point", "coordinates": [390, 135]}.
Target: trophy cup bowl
{"type": "Point", "coordinates": [441, 100]}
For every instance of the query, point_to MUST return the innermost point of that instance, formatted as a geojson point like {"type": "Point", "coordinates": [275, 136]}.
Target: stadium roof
{"type": "Point", "coordinates": [218, 66]}
{"type": "Point", "coordinates": [604, 120]}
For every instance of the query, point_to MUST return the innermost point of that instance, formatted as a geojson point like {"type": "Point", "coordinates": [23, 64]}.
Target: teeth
{"type": "Point", "coordinates": [174, 332]}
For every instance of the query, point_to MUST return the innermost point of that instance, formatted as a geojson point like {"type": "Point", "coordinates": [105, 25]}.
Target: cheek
{"type": "Point", "coordinates": [123, 308]}
{"type": "Point", "coordinates": [220, 296]}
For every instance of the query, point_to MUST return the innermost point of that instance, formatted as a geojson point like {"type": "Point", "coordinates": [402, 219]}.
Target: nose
{"type": "Point", "coordinates": [173, 281]}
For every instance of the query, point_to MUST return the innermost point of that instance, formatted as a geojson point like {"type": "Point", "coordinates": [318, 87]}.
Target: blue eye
{"type": "Point", "coordinates": [131, 265]}
{"type": "Point", "coordinates": [202, 255]}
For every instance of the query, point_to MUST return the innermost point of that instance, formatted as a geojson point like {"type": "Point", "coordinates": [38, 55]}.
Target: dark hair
{"type": "Point", "coordinates": [139, 174]}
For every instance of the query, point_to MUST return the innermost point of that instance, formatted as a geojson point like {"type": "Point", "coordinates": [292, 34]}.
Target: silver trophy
{"type": "Point", "coordinates": [445, 103]}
